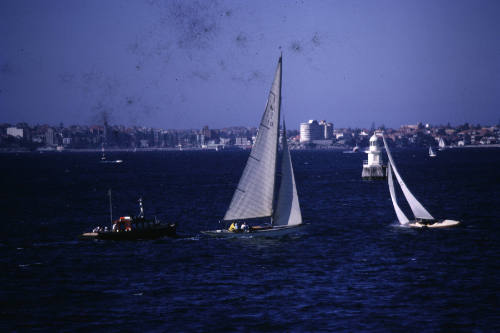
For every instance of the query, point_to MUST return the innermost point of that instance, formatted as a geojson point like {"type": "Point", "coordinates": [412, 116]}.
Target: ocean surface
{"type": "Point", "coordinates": [352, 268]}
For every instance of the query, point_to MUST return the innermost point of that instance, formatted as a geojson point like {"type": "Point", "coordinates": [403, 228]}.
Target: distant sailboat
{"type": "Point", "coordinates": [103, 155]}
{"type": "Point", "coordinates": [422, 217]}
{"type": "Point", "coordinates": [432, 153]}
{"type": "Point", "coordinates": [352, 151]}
{"type": "Point", "coordinates": [255, 193]}
{"type": "Point", "coordinates": [105, 160]}
{"type": "Point", "coordinates": [442, 144]}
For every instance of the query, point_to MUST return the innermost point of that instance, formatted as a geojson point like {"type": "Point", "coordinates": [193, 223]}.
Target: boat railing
{"type": "Point", "coordinates": [365, 162]}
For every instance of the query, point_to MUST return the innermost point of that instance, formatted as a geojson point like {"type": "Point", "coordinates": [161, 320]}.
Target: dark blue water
{"type": "Point", "coordinates": [351, 269]}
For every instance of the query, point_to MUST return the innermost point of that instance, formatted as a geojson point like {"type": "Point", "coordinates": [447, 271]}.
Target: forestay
{"type": "Point", "coordinates": [416, 207]}
{"type": "Point", "coordinates": [254, 195]}
{"type": "Point", "coordinates": [401, 216]}
{"type": "Point", "coordinates": [288, 208]}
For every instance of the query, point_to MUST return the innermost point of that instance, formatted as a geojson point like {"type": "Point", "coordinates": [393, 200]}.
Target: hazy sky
{"type": "Point", "coordinates": [185, 64]}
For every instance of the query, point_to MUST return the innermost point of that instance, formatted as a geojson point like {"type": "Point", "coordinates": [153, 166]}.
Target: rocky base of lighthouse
{"type": "Point", "coordinates": [374, 172]}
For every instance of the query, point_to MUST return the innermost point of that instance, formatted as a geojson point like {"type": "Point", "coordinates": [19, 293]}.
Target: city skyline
{"type": "Point", "coordinates": [312, 134]}
{"type": "Point", "coordinates": [178, 65]}
{"type": "Point", "coordinates": [371, 126]}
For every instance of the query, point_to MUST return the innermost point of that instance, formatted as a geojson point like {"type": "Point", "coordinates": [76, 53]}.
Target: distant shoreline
{"type": "Point", "coordinates": [131, 150]}
{"type": "Point", "coordinates": [496, 145]}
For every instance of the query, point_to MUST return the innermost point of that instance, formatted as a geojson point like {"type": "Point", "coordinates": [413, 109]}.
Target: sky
{"type": "Point", "coordinates": [186, 64]}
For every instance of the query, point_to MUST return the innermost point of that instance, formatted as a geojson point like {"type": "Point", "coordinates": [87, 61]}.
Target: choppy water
{"type": "Point", "coordinates": [351, 269]}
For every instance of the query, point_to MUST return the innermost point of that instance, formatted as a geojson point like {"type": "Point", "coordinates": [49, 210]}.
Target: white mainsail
{"type": "Point", "coordinates": [401, 216]}
{"type": "Point", "coordinates": [254, 195]}
{"type": "Point", "coordinates": [416, 207]}
{"type": "Point", "coordinates": [288, 208]}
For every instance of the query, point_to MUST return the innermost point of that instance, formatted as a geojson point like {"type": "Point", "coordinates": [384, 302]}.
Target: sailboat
{"type": "Point", "coordinates": [103, 157]}
{"type": "Point", "coordinates": [254, 197]}
{"type": "Point", "coordinates": [431, 152]}
{"type": "Point", "coordinates": [422, 217]}
{"type": "Point", "coordinates": [442, 144]}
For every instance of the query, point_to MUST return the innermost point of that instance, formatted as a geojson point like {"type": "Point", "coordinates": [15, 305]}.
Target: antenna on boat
{"type": "Point", "coordinates": [110, 207]}
{"type": "Point", "coordinates": [141, 208]}
{"type": "Point", "coordinates": [103, 156]}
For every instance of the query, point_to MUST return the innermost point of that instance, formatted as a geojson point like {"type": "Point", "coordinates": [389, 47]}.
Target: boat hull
{"type": "Point", "coordinates": [111, 162]}
{"type": "Point", "coordinates": [439, 224]}
{"type": "Point", "coordinates": [257, 232]}
{"type": "Point", "coordinates": [152, 233]}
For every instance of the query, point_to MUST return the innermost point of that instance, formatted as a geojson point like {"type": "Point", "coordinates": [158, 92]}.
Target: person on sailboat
{"type": "Point", "coordinates": [244, 227]}
{"type": "Point", "coordinates": [232, 227]}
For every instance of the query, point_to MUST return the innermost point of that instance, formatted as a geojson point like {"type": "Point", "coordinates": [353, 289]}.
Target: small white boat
{"type": "Point", "coordinates": [423, 219]}
{"type": "Point", "coordinates": [432, 153]}
{"type": "Point", "coordinates": [254, 196]}
{"type": "Point", "coordinates": [354, 150]}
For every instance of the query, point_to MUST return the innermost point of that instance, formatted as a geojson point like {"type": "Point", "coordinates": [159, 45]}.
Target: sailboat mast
{"type": "Point", "coordinates": [110, 208]}
{"type": "Point", "coordinates": [278, 138]}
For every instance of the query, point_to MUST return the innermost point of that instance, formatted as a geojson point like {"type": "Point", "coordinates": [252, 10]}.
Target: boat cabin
{"type": "Point", "coordinates": [124, 223]}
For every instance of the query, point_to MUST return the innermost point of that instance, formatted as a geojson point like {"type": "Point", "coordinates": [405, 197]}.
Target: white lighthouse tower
{"type": "Point", "coordinates": [373, 167]}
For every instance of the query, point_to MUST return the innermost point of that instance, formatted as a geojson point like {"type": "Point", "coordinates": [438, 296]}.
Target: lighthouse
{"type": "Point", "coordinates": [373, 167]}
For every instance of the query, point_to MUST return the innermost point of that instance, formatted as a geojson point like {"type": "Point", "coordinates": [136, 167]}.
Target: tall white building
{"type": "Point", "coordinates": [312, 130]}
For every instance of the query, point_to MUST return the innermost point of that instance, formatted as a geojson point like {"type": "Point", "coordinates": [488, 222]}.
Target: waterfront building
{"type": "Point", "coordinates": [327, 129]}
{"type": "Point", "coordinates": [205, 131]}
{"type": "Point", "coordinates": [240, 141]}
{"type": "Point", "coordinates": [373, 167]}
{"type": "Point", "coordinates": [225, 141]}
{"type": "Point", "coordinates": [310, 131]}
{"type": "Point", "coordinates": [15, 132]}
{"type": "Point", "coordinates": [49, 136]}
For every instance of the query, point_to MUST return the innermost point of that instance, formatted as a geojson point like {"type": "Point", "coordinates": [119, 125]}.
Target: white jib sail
{"type": "Point", "coordinates": [288, 208]}
{"type": "Point", "coordinates": [401, 216]}
{"type": "Point", "coordinates": [254, 195]}
{"type": "Point", "coordinates": [416, 207]}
